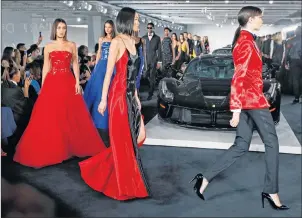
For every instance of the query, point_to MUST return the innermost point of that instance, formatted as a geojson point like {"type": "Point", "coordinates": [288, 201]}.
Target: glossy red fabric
{"type": "Point", "coordinates": [115, 172]}
{"type": "Point", "coordinates": [60, 126]}
{"type": "Point", "coordinates": [247, 83]}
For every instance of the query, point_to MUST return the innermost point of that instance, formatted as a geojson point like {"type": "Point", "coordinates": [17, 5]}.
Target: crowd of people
{"type": "Point", "coordinates": [42, 95]}
{"type": "Point", "coordinates": [285, 55]}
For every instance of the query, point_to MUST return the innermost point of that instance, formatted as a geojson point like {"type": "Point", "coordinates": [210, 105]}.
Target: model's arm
{"type": "Point", "coordinates": [242, 56]}
{"type": "Point", "coordinates": [46, 65]}
{"type": "Point", "coordinates": [113, 54]}
{"type": "Point", "coordinates": [75, 63]}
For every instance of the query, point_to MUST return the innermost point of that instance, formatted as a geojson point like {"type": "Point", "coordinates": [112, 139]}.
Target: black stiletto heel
{"type": "Point", "coordinates": [272, 203]}
{"type": "Point", "coordinates": [198, 183]}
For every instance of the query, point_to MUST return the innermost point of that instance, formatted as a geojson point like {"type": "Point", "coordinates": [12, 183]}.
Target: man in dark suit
{"type": "Point", "coordinates": [153, 56]}
{"type": "Point", "coordinates": [18, 100]}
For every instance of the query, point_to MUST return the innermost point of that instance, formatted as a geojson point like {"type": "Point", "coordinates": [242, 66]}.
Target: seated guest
{"type": "Point", "coordinates": [35, 76]}
{"type": "Point", "coordinates": [8, 126]}
{"type": "Point", "coordinates": [17, 98]}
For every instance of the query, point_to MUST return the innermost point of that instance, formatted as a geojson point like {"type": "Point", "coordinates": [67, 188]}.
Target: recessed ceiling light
{"type": "Point", "coordinates": [226, 1]}
{"type": "Point", "coordinates": [271, 2]}
{"type": "Point", "coordinates": [188, 1]}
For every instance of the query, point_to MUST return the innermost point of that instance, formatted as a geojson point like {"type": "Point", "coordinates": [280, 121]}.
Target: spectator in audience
{"type": "Point", "coordinates": [23, 51]}
{"type": "Point", "coordinates": [33, 53]}
{"type": "Point", "coordinates": [206, 44]}
{"type": "Point", "coordinates": [84, 60]}
{"type": "Point", "coordinates": [276, 49]}
{"type": "Point", "coordinates": [294, 60]}
{"type": "Point", "coordinates": [7, 61]}
{"type": "Point", "coordinates": [191, 44]}
{"type": "Point", "coordinates": [197, 49]}
{"type": "Point", "coordinates": [17, 99]}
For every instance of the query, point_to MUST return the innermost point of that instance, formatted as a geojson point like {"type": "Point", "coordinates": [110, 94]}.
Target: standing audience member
{"type": "Point", "coordinates": [153, 57]}
{"type": "Point", "coordinates": [294, 59]}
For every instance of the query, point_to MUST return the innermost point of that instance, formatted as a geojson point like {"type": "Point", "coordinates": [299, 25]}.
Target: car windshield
{"type": "Point", "coordinates": [215, 68]}
{"type": "Point", "coordinates": [222, 51]}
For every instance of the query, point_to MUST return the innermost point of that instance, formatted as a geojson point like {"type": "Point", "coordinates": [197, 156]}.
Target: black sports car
{"type": "Point", "coordinates": [200, 98]}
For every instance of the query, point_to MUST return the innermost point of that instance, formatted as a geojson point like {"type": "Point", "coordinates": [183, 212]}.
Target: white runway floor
{"type": "Point", "coordinates": [165, 134]}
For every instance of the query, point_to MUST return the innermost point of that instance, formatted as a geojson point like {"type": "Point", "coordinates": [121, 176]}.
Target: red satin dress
{"type": "Point", "coordinates": [60, 125]}
{"type": "Point", "coordinates": [117, 172]}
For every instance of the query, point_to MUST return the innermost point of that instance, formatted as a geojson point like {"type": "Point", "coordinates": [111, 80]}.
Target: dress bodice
{"type": "Point", "coordinates": [127, 70]}
{"type": "Point", "coordinates": [105, 50]}
{"type": "Point", "coordinates": [60, 60]}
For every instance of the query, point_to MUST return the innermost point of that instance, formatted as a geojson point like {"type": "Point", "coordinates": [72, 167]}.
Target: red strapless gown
{"type": "Point", "coordinates": [60, 125]}
{"type": "Point", "coordinates": [117, 172]}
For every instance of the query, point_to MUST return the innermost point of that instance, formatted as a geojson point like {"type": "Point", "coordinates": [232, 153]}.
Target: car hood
{"type": "Point", "coordinates": [208, 87]}
{"type": "Point", "coordinates": [203, 93]}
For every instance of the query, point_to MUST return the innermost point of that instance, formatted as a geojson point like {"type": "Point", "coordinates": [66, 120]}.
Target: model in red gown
{"type": "Point", "coordinates": [60, 126]}
{"type": "Point", "coordinates": [117, 172]}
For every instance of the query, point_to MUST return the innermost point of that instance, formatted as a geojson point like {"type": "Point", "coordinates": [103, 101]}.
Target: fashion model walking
{"type": "Point", "coordinates": [250, 109]}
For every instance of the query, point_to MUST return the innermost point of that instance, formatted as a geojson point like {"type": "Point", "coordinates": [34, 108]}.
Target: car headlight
{"type": "Point", "coordinates": [165, 93]}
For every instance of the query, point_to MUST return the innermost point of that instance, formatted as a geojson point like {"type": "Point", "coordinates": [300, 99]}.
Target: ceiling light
{"type": "Point", "coordinates": [226, 1]}
{"type": "Point", "coordinates": [89, 7]}
{"type": "Point", "coordinates": [79, 19]}
{"type": "Point", "coordinates": [70, 3]}
{"type": "Point", "coordinates": [271, 2]}
{"type": "Point", "coordinates": [187, 1]}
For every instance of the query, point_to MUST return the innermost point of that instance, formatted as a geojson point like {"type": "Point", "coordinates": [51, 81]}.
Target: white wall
{"type": "Point", "coordinates": [219, 37]}
{"type": "Point", "coordinates": [18, 27]}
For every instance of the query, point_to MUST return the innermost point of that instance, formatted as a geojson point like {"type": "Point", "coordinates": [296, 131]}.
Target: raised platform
{"type": "Point", "coordinates": [166, 134]}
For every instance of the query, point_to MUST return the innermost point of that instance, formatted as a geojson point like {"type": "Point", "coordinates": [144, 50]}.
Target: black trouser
{"type": "Point", "coordinates": [151, 75]}
{"type": "Point", "coordinates": [263, 121]}
{"type": "Point", "coordinates": [295, 67]}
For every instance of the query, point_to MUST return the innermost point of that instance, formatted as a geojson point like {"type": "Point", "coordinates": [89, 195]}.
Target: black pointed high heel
{"type": "Point", "coordinates": [198, 183]}
{"type": "Point", "coordinates": [272, 203]}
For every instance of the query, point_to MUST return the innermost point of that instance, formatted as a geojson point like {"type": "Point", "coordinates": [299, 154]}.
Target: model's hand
{"type": "Point", "coordinates": [102, 107]}
{"type": "Point", "coordinates": [235, 119]}
{"type": "Point", "coordinates": [78, 88]}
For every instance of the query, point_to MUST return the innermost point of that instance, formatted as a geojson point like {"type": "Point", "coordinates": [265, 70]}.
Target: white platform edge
{"type": "Point", "coordinates": [215, 145]}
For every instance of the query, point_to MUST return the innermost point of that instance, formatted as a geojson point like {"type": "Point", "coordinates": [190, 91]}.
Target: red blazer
{"type": "Point", "coordinates": [247, 83]}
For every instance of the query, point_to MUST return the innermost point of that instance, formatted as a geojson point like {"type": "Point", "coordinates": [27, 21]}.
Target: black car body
{"type": "Point", "coordinates": [200, 98]}
{"type": "Point", "coordinates": [222, 51]}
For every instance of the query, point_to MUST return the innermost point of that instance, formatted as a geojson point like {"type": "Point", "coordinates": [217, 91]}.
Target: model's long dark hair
{"type": "Point", "coordinates": [53, 35]}
{"type": "Point", "coordinates": [125, 21]}
{"type": "Point", "coordinates": [111, 23]}
{"type": "Point", "coordinates": [243, 17]}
